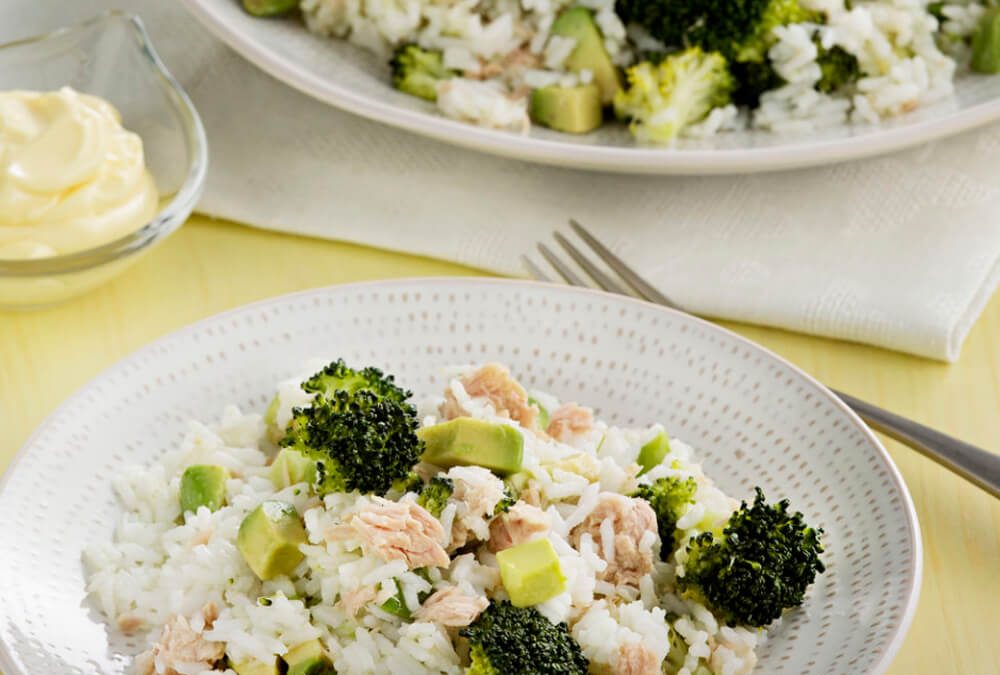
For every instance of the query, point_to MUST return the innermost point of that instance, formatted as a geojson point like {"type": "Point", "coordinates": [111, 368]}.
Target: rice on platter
{"type": "Point", "coordinates": [488, 530]}
{"type": "Point", "coordinates": [667, 68]}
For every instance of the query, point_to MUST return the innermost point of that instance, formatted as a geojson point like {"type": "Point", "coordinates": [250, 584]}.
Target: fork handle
{"type": "Point", "coordinates": [974, 464]}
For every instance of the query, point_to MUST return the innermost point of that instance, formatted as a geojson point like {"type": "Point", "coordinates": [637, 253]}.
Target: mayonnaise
{"type": "Point", "coordinates": [71, 177]}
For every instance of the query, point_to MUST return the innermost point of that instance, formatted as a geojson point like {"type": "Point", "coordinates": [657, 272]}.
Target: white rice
{"type": "Point", "coordinates": [161, 564]}
{"type": "Point", "coordinates": [906, 58]}
{"type": "Point", "coordinates": [605, 628]}
{"type": "Point", "coordinates": [902, 66]}
{"type": "Point", "coordinates": [482, 103]}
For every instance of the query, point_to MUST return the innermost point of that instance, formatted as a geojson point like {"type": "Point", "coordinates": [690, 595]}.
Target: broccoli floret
{"type": "Point", "coordinates": [508, 500]}
{"type": "Point", "coordinates": [752, 80]}
{"type": "Point", "coordinates": [339, 377]}
{"type": "Point", "coordinates": [417, 71]}
{"type": "Point", "coordinates": [738, 29]}
{"type": "Point", "coordinates": [508, 640]}
{"type": "Point", "coordinates": [360, 440]}
{"type": "Point", "coordinates": [359, 429]}
{"type": "Point", "coordinates": [777, 13]}
{"type": "Point", "coordinates": [479, 662]}
{"type": "Point", "coordinates": [741, 30]}
{"type": "Point", "coordinates": [751, 67]}
{"type": "Point", "coordinates": [411, 482]}
{"type": "Point", "coordinates": [435, 495]}
{"type": "Point", "coordinates": [761, 564]}
{"type": "Point", "coordinates": [838, 67]}
{"type": "Point", "coordinates": [661, 100]}
{"type": "Point", "coordinates": [715, 25]}
{"type": "Point", "coordinates": [668, 497]}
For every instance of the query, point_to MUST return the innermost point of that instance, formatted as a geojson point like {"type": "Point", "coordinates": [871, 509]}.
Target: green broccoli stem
{"type": "Point", "coordinates": [269, 7]}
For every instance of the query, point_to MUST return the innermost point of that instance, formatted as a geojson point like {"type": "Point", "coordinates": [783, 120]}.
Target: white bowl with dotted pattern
{"type": "Point", "coordinates": [754, 419]}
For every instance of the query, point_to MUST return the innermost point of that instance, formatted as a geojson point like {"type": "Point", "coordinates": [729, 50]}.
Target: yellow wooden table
{"type": "Point", "coordinates": [209, 266]}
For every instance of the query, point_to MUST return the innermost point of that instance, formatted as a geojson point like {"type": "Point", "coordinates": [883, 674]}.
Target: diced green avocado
{"type": "Point", "coordinates": [653, 452]}
{"type": "Point", "coordinates": [575, 110]}
{"type": "Point", "coordinates": [531, 573]}
{"type": "Point", "coordinates": [543, 413]}
{"type": "Point", "coordinates": [308, 658]}
{"type": "Point", "coordinates": [589, 53]}
{"type": "Point", "coordinates": [269, 539]}
{"type": "Point", "coordinates": [253, 667]}
{"type": "Point", "coordinates": [466, 441]}
{"type": "Point", "coordinates": [203, 485]}
{"type": "Point", "coordinates": [269, 7]}
{"type": "Point", "coordinates": [290, 467]}
{"type": "Point", "coordinates": [986, 43]}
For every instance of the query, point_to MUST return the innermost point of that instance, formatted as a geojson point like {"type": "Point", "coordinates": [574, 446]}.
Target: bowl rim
{"type": "Point", "coordinates": [915, 562]}
{"type": "Point", "coordinates": [170, 216]}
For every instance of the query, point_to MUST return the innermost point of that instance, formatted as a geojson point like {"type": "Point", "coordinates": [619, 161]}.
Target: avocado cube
{"type": "Point", "coordinates": [531, 573]}
{"type": "Point", "coordinates": [466, 441]}
{"type": "Point", "coordinates": [589, 54]}
{"type": "Point", "coordinates": [308, 658]}
{"type": "Point", "coordinates": [574, 110]}
{"type": "Point", "coordinates": [253, 667]}
{"type": "Point", "coordinates": [290, 467]}
{"type": "Point", "coordinates": [269, 539]}
{"type": "Point", "coordinates": [653, 452]}
{"type": "Point", "coordinates": [269, 7]}
{"type": "Point", "coordinates": [203, 485]}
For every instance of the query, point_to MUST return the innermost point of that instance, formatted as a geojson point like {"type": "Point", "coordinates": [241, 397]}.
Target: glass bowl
{"type": "Point", "coordinates": [109, 56]}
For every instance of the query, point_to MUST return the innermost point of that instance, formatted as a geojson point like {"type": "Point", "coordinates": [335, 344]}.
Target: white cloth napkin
{"type": "Point", "coordinates": [901, 251]}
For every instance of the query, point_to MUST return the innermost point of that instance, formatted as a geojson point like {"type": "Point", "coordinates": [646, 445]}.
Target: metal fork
{"type": "Point", "coordinates": [974, 464]}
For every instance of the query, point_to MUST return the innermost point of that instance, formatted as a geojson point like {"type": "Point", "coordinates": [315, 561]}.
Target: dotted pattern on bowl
{"type": "Point", "coordinates": [753, 418]}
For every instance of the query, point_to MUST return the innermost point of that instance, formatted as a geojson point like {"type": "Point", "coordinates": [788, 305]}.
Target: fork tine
{"type": "Point", "coordinates": [602, 279]}
{"type": "Point", "coordinates": [569, 275]}
{"type": "Point", "coordinates": [640, 285]}
{"type": "Point", "coordinates": [534, 270]}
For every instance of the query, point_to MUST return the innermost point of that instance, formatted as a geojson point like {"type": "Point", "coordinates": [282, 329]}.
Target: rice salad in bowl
{"type": "Point", "coordinates": [486, 530]}
{"type": "Point", "coordinates": [668, 68]}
